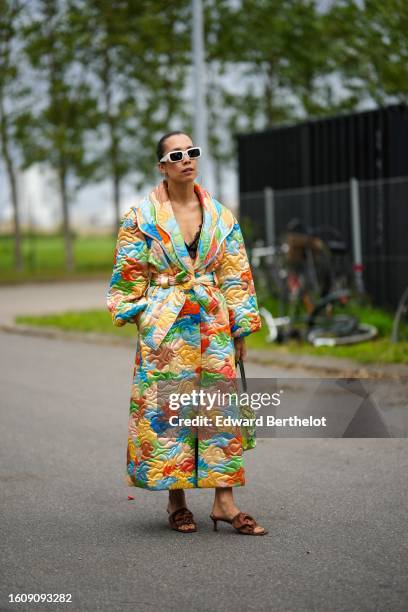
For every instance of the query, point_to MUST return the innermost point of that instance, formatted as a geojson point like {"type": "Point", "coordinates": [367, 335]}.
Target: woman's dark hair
{"type": "Point", "coordinates": [160, 144]}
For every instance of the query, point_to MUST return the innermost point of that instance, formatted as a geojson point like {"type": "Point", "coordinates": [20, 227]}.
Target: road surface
{"type": "Point", "coordinates": [335, 508]}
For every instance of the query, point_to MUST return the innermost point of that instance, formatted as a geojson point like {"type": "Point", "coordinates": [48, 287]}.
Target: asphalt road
{"type": "Point", "coordinates": [335, 508]}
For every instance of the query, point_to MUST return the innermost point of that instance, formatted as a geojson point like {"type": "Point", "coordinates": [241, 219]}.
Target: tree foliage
{"type": "Point", "coordinates": [97, 82]}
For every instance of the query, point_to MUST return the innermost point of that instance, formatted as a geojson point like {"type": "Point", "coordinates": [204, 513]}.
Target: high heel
{"type": "Point", "coordinates": [214, 520]}
{"type": "Point", "coordinates": [242, 522]}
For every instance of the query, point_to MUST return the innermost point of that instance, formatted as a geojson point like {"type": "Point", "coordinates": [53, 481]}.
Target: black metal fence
{"type": "Point", "coordinates": [369, 145]}
{"type": "Point", "coordinates": [371, 215]}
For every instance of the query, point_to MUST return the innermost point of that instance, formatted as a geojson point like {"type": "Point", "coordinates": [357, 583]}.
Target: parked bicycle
{"type": "Point", "coordinates": [310, 283]}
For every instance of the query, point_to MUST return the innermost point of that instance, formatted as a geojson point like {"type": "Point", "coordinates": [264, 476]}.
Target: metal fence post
{"type": "Point", "coordinates": [356, 234]}
{"type": "Point", "coordinates": [269, 219]}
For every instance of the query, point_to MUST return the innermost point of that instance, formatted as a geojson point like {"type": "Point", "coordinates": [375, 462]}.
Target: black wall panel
{"type": "Point", "coordinates": [370, 145]}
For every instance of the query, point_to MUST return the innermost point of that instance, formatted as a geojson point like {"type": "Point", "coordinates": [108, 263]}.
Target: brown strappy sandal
{"type": "Point", "coordinates": [242, 522]}
{"type": "Point", "coordinates": [182, 516]}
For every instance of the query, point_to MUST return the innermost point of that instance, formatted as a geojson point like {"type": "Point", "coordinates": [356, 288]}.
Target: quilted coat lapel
{"type": "Point", "coordinates": [166, 220]}
{"type": "Point", "coordinates": [156, 219]}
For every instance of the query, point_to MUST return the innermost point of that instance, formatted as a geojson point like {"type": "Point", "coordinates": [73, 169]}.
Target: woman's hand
{"type": "Point", "coordinates": [240, 349]}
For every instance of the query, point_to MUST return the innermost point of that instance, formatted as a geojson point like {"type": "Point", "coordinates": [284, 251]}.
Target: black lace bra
{"type": "Point", "coordinates": [192, 247]}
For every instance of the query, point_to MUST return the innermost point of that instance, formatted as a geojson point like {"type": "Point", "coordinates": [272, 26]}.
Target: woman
{"type": "Point", "coordinates": [181, 274]}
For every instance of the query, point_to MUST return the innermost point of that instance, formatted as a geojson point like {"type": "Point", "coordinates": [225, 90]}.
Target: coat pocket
{"type": "Point", "coordinates": [159, 315]}
{"type": "Point", "coordinates": [145, 314]}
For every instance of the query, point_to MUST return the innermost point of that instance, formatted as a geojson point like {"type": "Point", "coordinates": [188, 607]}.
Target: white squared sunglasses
{"type": "Point", "coordinates": [176, 156]}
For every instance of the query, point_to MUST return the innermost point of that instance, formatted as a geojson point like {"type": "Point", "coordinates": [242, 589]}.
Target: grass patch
{"type": "Point", "coordinates": [379, 350]}
{"type": "Point", "coordinates": [96, 321]}
{"type": "Point", "coordinates": [44, 258]}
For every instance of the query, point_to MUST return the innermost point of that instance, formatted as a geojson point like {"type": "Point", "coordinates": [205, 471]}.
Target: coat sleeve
{"type": "Point", "coordinates": [130, 276]}
{"type": "Point", "coordinates": [236, 283]}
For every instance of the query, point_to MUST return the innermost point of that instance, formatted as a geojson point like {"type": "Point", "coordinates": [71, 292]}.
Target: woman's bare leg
{"type": "Point", "coordinates": [177, 499]}
{"type": "Point", "coordinates": [224, 505]}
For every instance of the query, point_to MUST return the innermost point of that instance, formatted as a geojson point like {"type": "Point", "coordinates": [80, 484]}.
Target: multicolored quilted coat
{"type": "Point", "coordinates": [187, 312]}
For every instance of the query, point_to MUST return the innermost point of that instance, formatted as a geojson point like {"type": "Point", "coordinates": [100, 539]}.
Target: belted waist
{"type": "Point", "coordinates": [184, 282]}
{"type": "Point", "coordinates": [170, 298]}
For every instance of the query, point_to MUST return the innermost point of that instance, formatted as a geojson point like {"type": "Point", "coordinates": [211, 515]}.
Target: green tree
{"type": "Point", "coordinates": [12, 95]}
{"type": "Point", "coordinates": [282, 51]}
{"type": "Point", "coordinates": [63, 111]}
{"type": "Point", "coordinates": [370, 48]}
{"type": "Point", "coordinates": [158, 73]}
{"type": "Point", "coordinates": [268, 63]}
{"type": "Point", "coordinates": [136, 57]}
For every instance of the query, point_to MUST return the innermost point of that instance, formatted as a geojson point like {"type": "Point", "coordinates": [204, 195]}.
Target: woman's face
{"type": "Point", "coordinates": [182, 171]}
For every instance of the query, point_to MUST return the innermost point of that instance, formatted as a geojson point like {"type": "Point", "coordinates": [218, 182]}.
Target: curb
{"type": "Point", "coordinates": [331, 366]}
{"type": "Point", "coordinates": [327, 366]}
{"type": "Point", "coordinates": [59, 334]}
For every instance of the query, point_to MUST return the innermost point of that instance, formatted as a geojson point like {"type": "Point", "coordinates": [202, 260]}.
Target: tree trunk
{"type": "Point", "coordinates": [269, 95]}
{"type": "Point", "coordinates": [116, 200]}
{"type": "Point", "coordinates": [69, 253]}
{"type": "Point", "coordinates": [113, 145]}
{"type": "Point", "coordinates": [218, 179]}
{"type": "Point", "coordinates": [11, 175]}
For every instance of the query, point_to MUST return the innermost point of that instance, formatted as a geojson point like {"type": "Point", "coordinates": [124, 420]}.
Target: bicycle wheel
{"type": "Point", "coordinates": [341, 331]}
{"type": "Point", "coordinates": [400, 324]}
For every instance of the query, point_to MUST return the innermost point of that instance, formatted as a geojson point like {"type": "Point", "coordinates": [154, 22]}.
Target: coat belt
{"type": "Point", "coordinates": [171, 297]}
{"type": "Point", "coordinates": [184, 283]}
